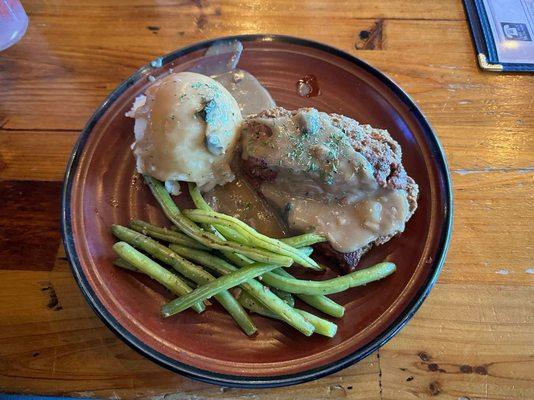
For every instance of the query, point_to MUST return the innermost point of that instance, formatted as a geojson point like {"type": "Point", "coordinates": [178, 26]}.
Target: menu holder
{"type": "Point", "coordinates": [503, 33]}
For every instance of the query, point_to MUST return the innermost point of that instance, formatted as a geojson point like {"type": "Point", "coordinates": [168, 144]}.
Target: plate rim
{"type": "Point", "coordinates": [239, 381]}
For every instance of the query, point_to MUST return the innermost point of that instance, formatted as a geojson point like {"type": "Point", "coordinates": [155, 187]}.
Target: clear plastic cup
{"type": "Point", "coordinates": [13, 22]}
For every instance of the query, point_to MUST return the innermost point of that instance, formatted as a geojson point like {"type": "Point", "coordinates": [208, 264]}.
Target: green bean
{"type": "Point", "coordinates": [207, 238]}
{"type": "Point", "coordinates": [306, 251]}
{"type": "Point", "coordinates": [322, 326]}
{"type": "Point", "coordinates": [304, 240]}
{"type": "Point", "coordinates": [256, 289]}
{"type": "Point", "coordinates": [256, 238]}
{"type": "Point", "coordinates": [287, 297]}
{"type": "Point", "coordinates": [242, 261]}
{"type": "Point", "coordinates": [144, 264]}
{"type": "Point", "coordinates": [120, 262]}
{"type": "Point", "coordinates": [320, 302]}
{"type": "Point", "coordinates": [162, 253]}
{"type": "Point", "coordinates": [214, 287]}
{"type": "Point", "coordinates": [188, 269]}
{"type": "Point", "coordinates": [284, 281]}
{"type": "Point", "coordinates": [234, 308]}
{"type": "Point", "coordinates": [233, 236]}
{"type": "Point", "coordinates": [335, 285]}
{"type": "Point", "coordinates": [165, 234]}
{"type": "Point", "coordinates": [237, 259]}
{"type": "Point", "coordinates": [254, 305]}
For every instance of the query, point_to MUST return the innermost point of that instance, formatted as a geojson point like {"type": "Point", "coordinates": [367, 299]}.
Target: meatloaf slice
{"type": "Point", "coordinates": [325, 156]}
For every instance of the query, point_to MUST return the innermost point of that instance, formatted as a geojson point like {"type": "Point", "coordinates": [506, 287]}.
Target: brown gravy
{"type": "Point", "coordinates": [348, 227]}
{"type": "Point", "coordinates": [251, 96]}
{"type": "Point", "coordinates": [239, 200]}
{"type": "Point", "coordinates": [308, 86]}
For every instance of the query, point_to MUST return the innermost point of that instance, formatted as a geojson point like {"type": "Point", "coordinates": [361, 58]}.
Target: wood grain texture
{"type": "Point", "coordinates": [35, 155]}
{"type": "Point", "coordinates": [492, 240]}
{"type": "Point", "coordinates": [481, 346]}
{"type": "Point", "coordinates": [474, 336]}
{"type": "Point", "coordinates": [29, 234]}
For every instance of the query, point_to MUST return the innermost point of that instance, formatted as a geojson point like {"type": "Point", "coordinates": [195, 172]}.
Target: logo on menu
{"type": "Point", "coordinates": [515, 31]}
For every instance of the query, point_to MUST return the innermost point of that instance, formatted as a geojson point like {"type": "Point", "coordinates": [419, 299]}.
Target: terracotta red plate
{"type": "Point", "coordinates": [101, 188]}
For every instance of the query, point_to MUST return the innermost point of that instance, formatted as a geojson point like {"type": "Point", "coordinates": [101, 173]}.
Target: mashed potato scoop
{"type": "Point", "coordinates": [186, 127]}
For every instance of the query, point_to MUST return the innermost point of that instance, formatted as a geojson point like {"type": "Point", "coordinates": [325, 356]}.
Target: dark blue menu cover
{"type": "Point", "coordinates": [503, 32]}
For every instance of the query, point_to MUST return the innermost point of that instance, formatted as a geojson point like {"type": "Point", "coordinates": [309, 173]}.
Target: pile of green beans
{"type": "Point", "coordinates": [254, 238]}
{"type": "Point", "coordinates": [144, 264]}
{"type": "Point", "coordinates": [187, 269]}
{"type": "Point", "coordinates": [320, 302]}
{"type": "Point", "coordinates": [254, 287]}
{"type": "Point", "coordinates": [200, 238]}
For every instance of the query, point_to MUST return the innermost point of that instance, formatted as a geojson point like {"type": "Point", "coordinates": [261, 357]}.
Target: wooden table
{"type": "Point", "coordinates": [474, 336]}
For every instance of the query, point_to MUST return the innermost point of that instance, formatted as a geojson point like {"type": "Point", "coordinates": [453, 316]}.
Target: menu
{"type": "Point", "coordinates": [503, 31]}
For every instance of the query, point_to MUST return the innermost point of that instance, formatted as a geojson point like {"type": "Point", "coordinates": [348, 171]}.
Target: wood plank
{"type": "Point", "coordinates": [481, 118]}
{"type": "Point", "coordinates": [267, 9]}
{"type": "Point", "coordinates": [467, 341]}
{"type": "Point", "coordinates": [35, 155]}
{"type": "Point", "coordinates": [492, 241]}
{"type": "Point", "coordinates": [103, 40]}
{"type": "Point", "coordinates": [29, 232]}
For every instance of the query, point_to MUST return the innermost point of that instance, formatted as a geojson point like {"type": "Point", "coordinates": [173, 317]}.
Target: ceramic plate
{"type": "Point", "coordinates": [101, 188]}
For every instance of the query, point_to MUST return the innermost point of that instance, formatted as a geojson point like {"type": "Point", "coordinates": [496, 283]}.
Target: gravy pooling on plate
{"type": "Point", "coordinates": [249, 93]}
{"type": "Point", "coordinates": [240, 200]}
